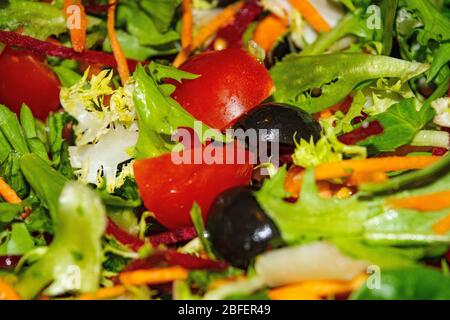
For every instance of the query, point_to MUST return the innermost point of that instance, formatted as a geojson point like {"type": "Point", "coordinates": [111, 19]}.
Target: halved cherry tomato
{"type": "Point", "coordinates": [169, 189]}
{"type": "Point", "coordinates": [25, 78]}
{"type": "Point", "coordinates": [231, 83]}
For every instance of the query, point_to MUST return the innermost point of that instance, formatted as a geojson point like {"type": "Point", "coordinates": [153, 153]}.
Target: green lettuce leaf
{"type": "Point", "coordinates": [405, 227]}
{"type": "Point", "coordinates": [38, 19]}
{"type": "Point", "coordinates": [159, 116]}
{"type": "Point", "coordinates": [312, 217]}
{"type": "Point", "coordinates": [315, 83]}
{"type": "Point", "coordinates": [72, 263]}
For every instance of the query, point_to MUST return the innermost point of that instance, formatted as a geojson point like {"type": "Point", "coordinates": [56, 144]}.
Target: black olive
{"type": "Point", "coordinates": [288, 120]}
{"type": "Point", "coordinates": [224, 3]}
{"type": "Point", "coordinates": [284, 47]}
{"type": "Point", "coordinates": [238, 227]}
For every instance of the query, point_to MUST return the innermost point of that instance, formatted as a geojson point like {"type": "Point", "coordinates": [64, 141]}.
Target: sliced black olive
{"type": "Point", "coordinates": [238, 227]}
{"type": "Point", "coordinates": [288, 120]}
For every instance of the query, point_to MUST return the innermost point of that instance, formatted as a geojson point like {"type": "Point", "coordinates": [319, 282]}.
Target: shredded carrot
{"type": "Point", "coordinates": [269, 30]}
{"type": "Point", "coordinates": [122, 64]}
{"type": "Point", "coordinates": [428, 202]}
{"type": "Point", "coordinates": [223, 18]}
{"type": "Point", "coordinates": [7, 193]}
{"type": "Point", "coordinates": [153, 276]}
{"type": "Point", "coordinates": [311, 15]}
{"type": "Point", "coordinates": [316, 289]}
{"type": "Point", "coordinates": [104, 293]}
{"type": "Point", "coordinates": [442, 226]}
{"type": "Point", "coordinates": [77, 32]}
{"type": "Point", "coordinates": [346, 168]}
{"type": "Point", "coordinates": [7, 292]}
{"type": "Point", "coordinates": [186, 26]}
{"type": "Point", "coordinates": [221, 282]}
{"type": "Point", "coordinates": [358, 178]}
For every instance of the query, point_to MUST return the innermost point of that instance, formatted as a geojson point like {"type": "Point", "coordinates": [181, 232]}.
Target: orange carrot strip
{"type": "Point", "coordinates": [442, 226]}
{"type": "Point", "coordinates": [186, 24]}
{"type": "Point", "coordinates": [7, 292]}
{"type": "Point", "coordinates": [104, 293]}
{"type": "Point", "coordinates": [358, 178]}
{"type": "Point", "coordinates": [269, 30]}
{"type": "Point", "coordinates": [153, 276]}
{"type": "Point", "coordinates": [311, 15]}
{"type": "Point", "coordinates": [346, 168]}
{"type": "Point", "coordinates": [7, 193]}
{"type": "Point", "coordinates": [428, 202]}
{"type": "Point", "coordinates": [226, 16]}
{"type": "Point", "coordinates": [315, 289]}
{"type": "Point", "coordinates": [77, 32]}
{"type": "Point", "coordinates": [122, 65]}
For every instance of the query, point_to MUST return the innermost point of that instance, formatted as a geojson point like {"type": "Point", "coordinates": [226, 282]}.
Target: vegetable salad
{"type": "Point", "coordinates": [131, 149]}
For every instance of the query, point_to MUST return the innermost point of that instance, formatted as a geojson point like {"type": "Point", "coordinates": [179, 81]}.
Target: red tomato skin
{"type": "Point", "coordinates": [25, 78]}
{"type": "Point", "coordinates": [231, 82]}
{"type": "Point", "coordinates": [169, 190]}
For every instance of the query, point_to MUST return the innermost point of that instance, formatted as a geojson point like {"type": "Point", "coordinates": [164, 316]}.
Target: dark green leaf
{"type": "Point", "coordinates": [401, 123]}
{"type": "Point", "coordinates": [413, 283]}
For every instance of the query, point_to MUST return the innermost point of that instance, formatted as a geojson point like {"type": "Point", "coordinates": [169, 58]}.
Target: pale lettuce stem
{"type": "Point", "coordinates": [431, 138]}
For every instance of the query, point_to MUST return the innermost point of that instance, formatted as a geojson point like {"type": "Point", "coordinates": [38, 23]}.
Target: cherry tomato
{"type": "Point", "coordinates": [169, 189]}
{"type": "Point", "coordinates": [231, 83]}
{"type": "Point", "coordinates": [25, 78]}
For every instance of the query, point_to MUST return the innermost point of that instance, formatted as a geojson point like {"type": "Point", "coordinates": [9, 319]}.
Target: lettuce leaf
{"type": "Point", "coordinates": [314, 83]}
{"type": "Point", "coordinates": [38, 19]}
{"type": "Point", "coordinates": [312, 217]}
{"type": "Point", "coordinates": [72, 263]}
{"type": "Point", "coordinates": [159, 116]}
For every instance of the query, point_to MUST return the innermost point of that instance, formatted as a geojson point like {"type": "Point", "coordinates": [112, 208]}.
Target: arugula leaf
{"type": "Point", "coordinates": [159, 116]}
{"type": "Point", "coordinates": [67, 76]}
{"type": "Point", "coordinates": [422, 31]}
{"type": "Point", "coordinates": [75, 252]}
{"type": "Point", "coordinates": [134, 50]}
{"type": "Point", "coordinates": [55, 124]}
{"type": "Point", "coordinates": [20, 241]}
{"type": "Point", "coordinates": [412, 283]}
{"type": "Point", "coordinates": [29, 128]}
{"type": "Point", "coordinates": [12, 131]}
{"type": "Point", "coordinates": [333, 76]}
{"type": "Point", "coordinates": [401, 123]}
{"type": "Point", "coordinates": [441, 58]}
{"type": "Point", "coordinates": [38, 19]}
{"type": "Point", "coordinates": [197, 220]}
{"type": "Point", "coordinates": [150, 28]}
{"type": "Point", "coordinates": [312, 217]}
{"type": "Point", "coordinates": [388, 10]}
{"type": "Point", "coordinates": [435, 25]}
{"type": "Point", "coordinates": [10, 171]}
{"type": "Point", "coordinates": [8, 211]}
{"type": "Point", "coordinates": [45, 181]}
